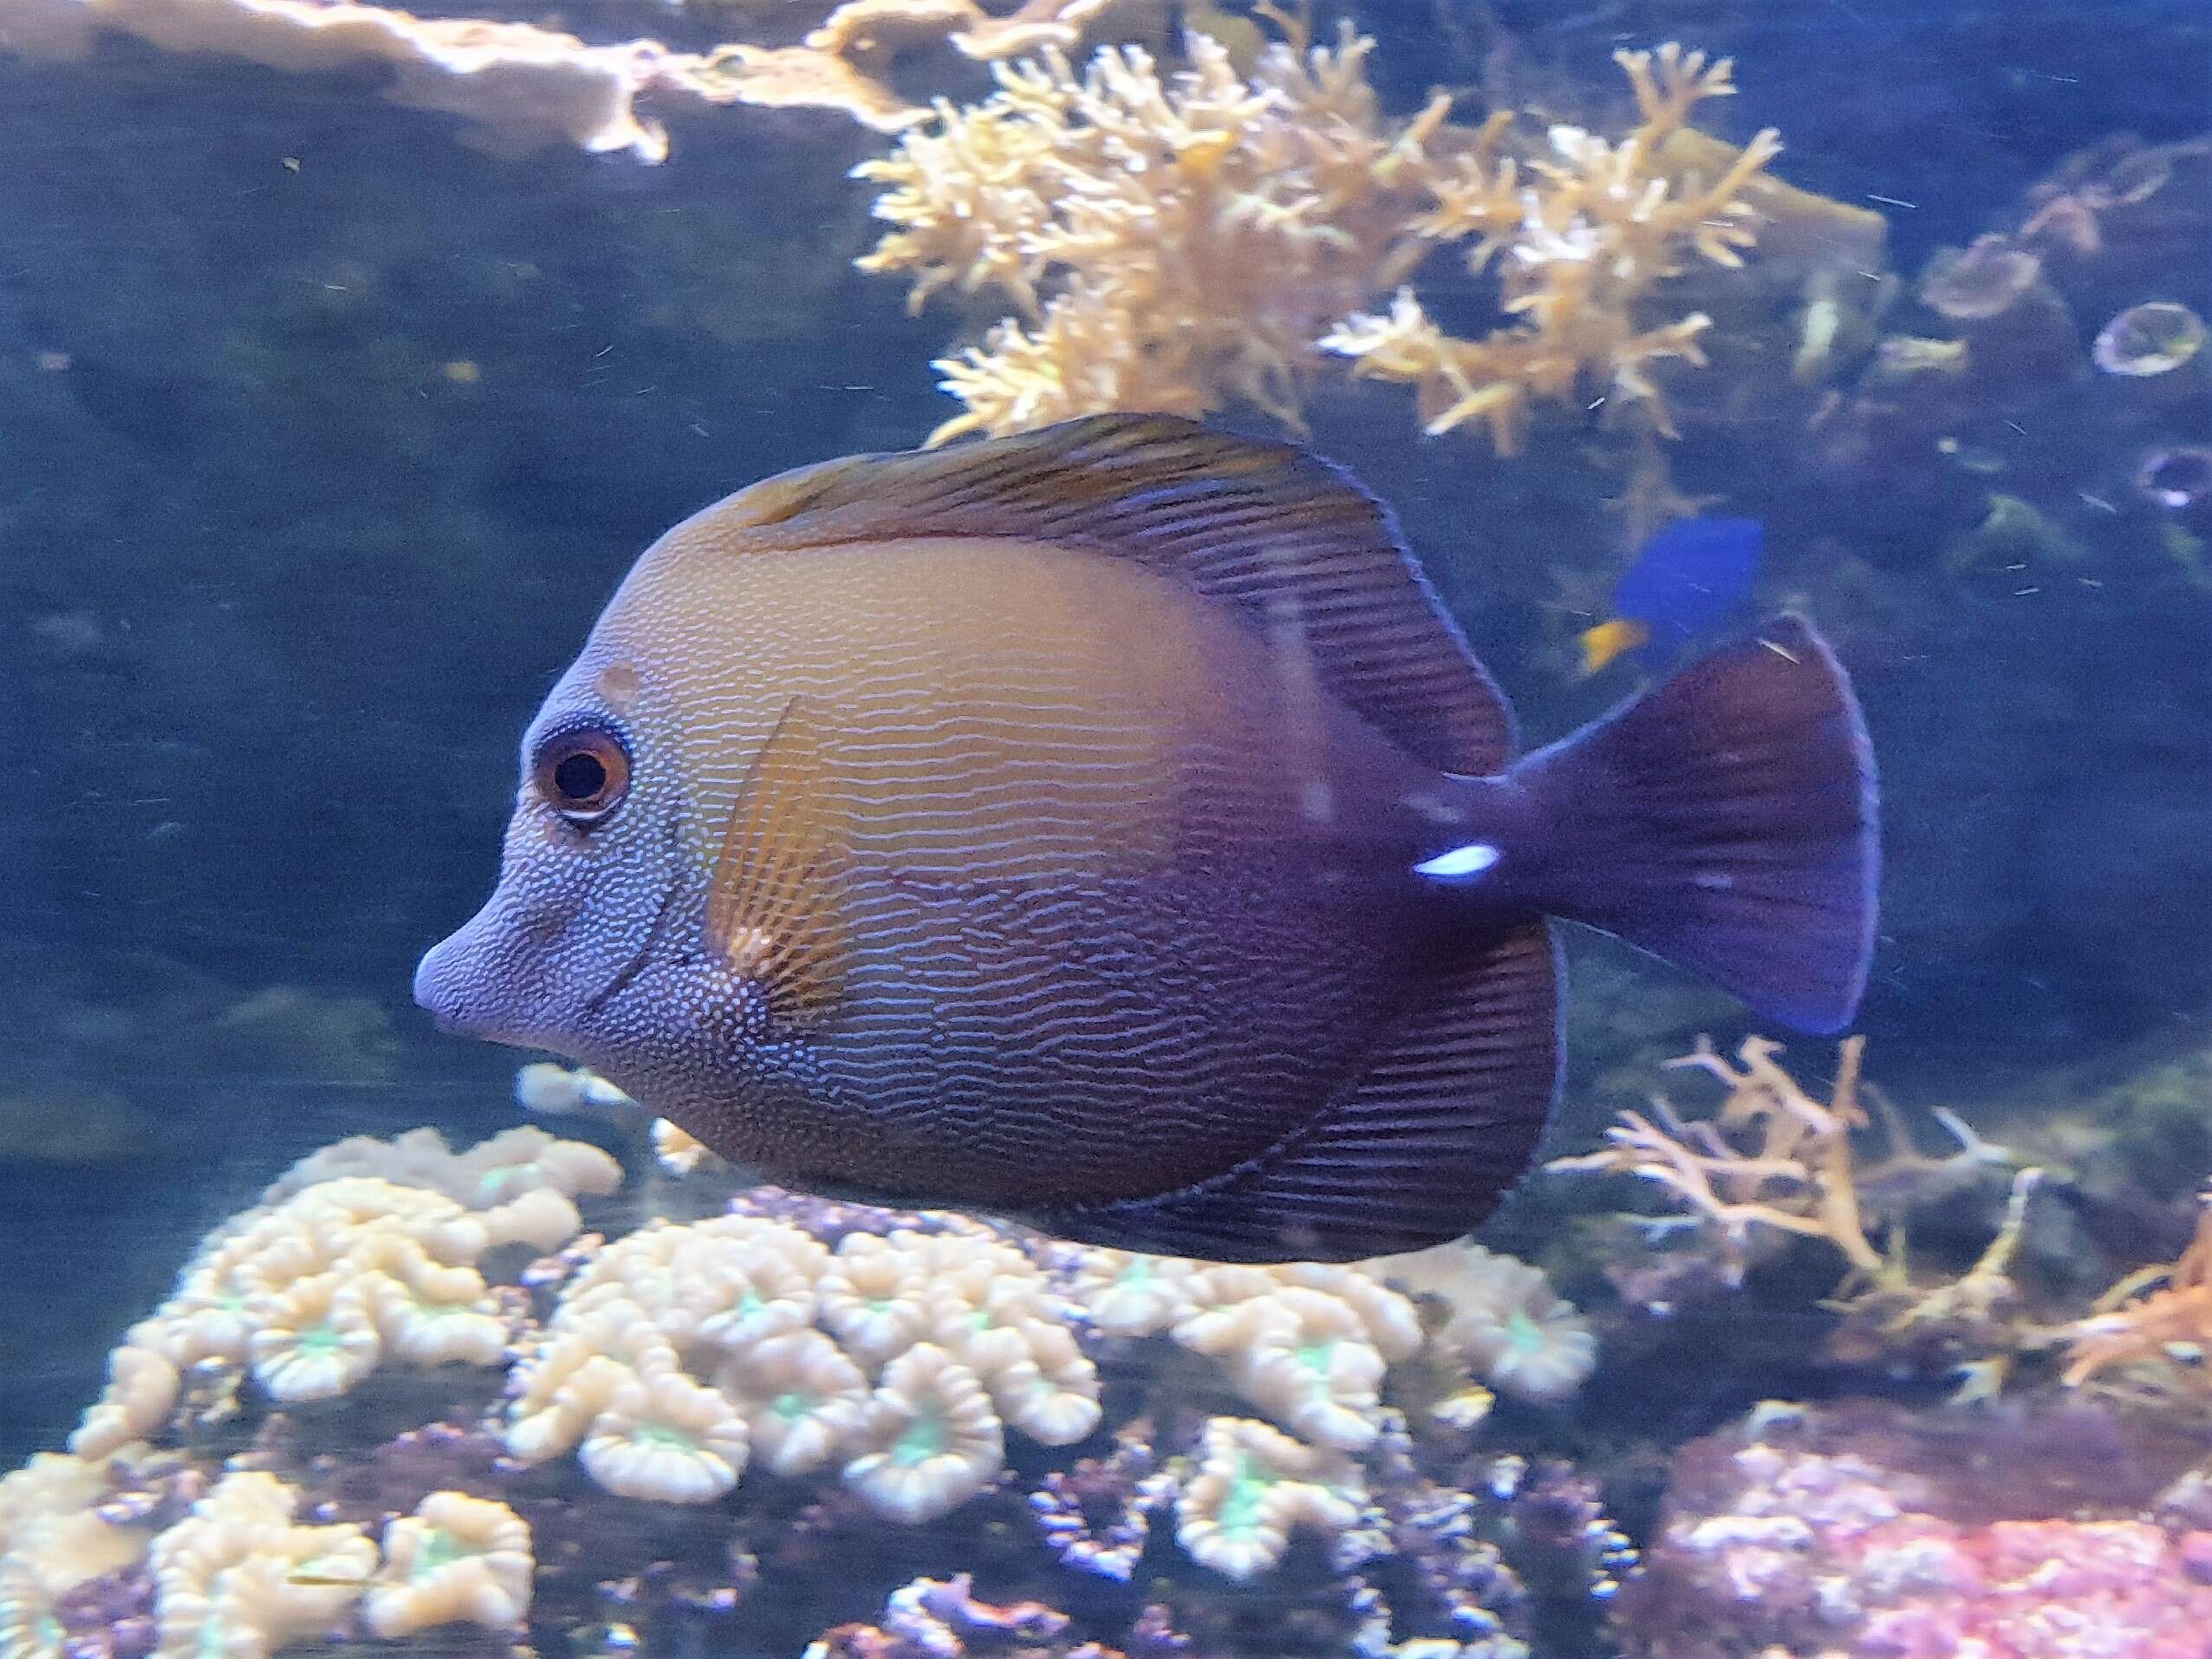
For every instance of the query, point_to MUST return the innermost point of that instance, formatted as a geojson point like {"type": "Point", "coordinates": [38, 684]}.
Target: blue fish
{"type": "Point", "coordinates": [1687, 580]}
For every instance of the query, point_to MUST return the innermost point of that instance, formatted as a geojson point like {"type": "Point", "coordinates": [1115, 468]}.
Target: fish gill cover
{"type": "Point", "coordinates": [1792, 1364]}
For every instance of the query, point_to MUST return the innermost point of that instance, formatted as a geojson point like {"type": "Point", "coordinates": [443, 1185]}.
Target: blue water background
{"type": "Point", "coordinates": [280, 594]}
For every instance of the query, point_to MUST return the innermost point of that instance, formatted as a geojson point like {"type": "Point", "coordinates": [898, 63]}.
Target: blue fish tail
{"type": "Point", "coordinates": [1726, 821]}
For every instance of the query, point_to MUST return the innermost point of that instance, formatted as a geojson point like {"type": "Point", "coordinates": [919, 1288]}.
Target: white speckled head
{"type": "Point", "coordinates": [593, 943]}
{"type": "Point", "coordinates": [593, 870]}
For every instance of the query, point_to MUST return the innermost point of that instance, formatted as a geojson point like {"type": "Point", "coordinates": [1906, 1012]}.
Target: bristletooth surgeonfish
{"type": "Point", "coordinates": [1106, 827]}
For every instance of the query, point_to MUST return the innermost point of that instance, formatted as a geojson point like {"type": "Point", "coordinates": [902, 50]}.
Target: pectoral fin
{"type": "Point", "coordinates": [772, 910]}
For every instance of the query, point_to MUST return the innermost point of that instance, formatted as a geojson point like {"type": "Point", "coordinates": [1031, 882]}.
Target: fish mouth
{"type": "Point", "coordinates": [487, 980]}
{"type": "Point", "coordinates": [467, 983]}
{"type": "Point", "coordinates": [442, 986]}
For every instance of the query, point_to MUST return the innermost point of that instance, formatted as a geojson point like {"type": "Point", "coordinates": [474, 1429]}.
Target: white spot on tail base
{"type": "Point", "coordinates": [1470, 860]}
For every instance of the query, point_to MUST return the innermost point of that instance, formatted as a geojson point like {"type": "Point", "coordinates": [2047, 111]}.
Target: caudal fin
{"type": "Point", "coordinates": [1726, 821]}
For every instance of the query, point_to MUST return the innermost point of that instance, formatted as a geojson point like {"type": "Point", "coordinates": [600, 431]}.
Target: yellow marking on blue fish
{"type": "Point", "coordinates": [1609, 641]}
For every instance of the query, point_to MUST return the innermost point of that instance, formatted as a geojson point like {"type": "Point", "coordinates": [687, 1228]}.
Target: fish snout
{"type": "Point", "coordinates": [466, 982]}
{"type": "Point", "coordinates": [440, 985]}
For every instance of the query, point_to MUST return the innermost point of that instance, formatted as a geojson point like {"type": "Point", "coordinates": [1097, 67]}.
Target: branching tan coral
{"type": "Point", "coordinates": [2160, 1314]}
{"type": "Point", "coordinates": [1773, 1157]}
{"type": "Point", "coordinates": [1176, 242]}
{"type": "Point", "coordinates": [1171, 242]}
{"type": "Point", "coordinates": [1579, 240]}
{"type": "Point", "coordinates": [1774, 1160]}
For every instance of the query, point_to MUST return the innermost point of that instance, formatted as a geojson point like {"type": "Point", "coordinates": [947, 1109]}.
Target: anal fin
{"type": "Point", "coordinates": [1416, 1151]}
{"type": "Point", "coordinates": [772, 910]}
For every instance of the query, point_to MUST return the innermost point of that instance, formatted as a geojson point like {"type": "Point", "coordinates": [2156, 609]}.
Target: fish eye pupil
{"type": "Point", "coordinates": [583, 774]}
{"type": "Point", "coordinates": [579, 777]}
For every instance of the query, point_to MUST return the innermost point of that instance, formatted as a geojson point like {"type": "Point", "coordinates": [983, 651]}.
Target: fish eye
{"type": "Point", "coordinates": [582, 773]}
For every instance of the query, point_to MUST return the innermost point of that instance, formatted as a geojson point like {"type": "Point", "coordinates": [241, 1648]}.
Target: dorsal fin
{"type": "Point", "coordinates": [1290, 541]}
{"type": "Point", "coordinates": [771, 907]}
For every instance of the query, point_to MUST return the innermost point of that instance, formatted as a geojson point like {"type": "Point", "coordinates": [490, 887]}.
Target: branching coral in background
{"type": "Point", "coordinates": [519, 86]}
{"type": "Point", "coordinates": [1178, 242]}
{"type": "Point", "coordinates": [1579, 240]}
{"type": "Point", "coordinates": [1774, 1158]}
{"type": "Point", "coordinates": [1775, 1162]}
{"type": "Point", "coordinates": [1171, 242]}
{"type": "Point", "coordinates": [2159, 1314]}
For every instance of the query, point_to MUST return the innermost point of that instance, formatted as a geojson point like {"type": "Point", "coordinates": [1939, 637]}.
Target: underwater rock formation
{"type": "Point", "coordinates": [521, 87]}
{"type": "Point", "coordinates": [1854, 1534]}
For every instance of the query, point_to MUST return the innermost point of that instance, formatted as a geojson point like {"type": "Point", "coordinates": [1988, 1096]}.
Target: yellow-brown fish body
{"type": "Point", "coordinates": [1062, 827]}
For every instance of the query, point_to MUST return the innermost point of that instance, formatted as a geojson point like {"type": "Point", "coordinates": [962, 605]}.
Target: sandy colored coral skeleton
{"type": "Point", "coordinates": [2160, 1313]}
{"type": "Point", "coordinates": [1178, 242]}
{"type": "Point", "coordinates": [519, 86]}
{"type": "Point", "coordinates": [1774, 1158]}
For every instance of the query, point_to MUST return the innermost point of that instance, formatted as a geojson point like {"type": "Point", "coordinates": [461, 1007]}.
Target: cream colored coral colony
{"type": "Point", "coordinates": [779, 1339]}
{"type": "Point", "coordinates": [1179, 242]}
{"type": "Point", "coordinates": [677, 1358]}
{"type": "Point", "coordinates": [336, 1274]}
